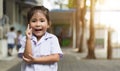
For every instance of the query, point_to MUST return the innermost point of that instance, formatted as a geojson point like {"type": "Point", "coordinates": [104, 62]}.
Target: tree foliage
{"type": "Point", "coordinates": [72, 3]}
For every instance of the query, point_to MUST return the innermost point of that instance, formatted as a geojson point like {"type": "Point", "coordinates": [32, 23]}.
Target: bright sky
{"type": "Point", "coordinates": [111, 17]}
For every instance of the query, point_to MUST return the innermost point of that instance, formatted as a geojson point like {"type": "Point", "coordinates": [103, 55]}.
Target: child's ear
{"type": "Point", "coordinates": [49, 24]}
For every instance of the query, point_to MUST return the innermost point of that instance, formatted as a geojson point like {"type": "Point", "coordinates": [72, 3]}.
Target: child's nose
{"type": "Point", "coordinates": [38, 24]}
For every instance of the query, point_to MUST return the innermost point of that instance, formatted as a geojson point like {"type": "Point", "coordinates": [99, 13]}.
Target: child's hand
{"type": "Point", "coordinates": [28, 31]}
{"type": "Point", "coordinates": [29, 60]}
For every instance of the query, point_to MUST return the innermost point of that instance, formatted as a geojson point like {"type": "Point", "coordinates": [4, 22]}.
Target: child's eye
{"type": "Point", "coordinates": [42, 20]}
{"type": "Point", "coordinates": [33, 21]}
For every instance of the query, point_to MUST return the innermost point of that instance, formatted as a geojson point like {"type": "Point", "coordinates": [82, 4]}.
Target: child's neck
{"type": "Point", "coordinates": [38, 38]}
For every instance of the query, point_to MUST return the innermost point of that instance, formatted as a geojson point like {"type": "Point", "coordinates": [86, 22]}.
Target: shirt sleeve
{"type": "Point", "coordinates": [56, 47]}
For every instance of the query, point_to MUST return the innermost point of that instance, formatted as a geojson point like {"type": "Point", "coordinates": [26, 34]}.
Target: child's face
{"type": "Point", "coordinates": [39, 24]}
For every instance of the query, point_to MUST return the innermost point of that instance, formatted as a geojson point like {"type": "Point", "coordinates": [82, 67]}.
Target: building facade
{"type": "Point", "coordinates": [13, 13]}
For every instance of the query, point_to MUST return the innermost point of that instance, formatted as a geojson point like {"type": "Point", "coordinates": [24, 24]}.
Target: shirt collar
{"type": "Point", "coordinates": [44, 37]}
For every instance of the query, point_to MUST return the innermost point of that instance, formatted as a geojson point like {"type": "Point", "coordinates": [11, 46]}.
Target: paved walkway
{"type": "Point", "coordinates": [71, 61]}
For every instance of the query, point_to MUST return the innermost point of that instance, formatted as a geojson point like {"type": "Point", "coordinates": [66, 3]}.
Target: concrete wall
{"type": "Point", "coordinates": [115, 52]}
{"type": "Point", "coordinates": [10, 10]}
{"type": "Point", "coordinates": [1, 8]}
{"type": "Point", "coordinates": [101, 49]}
{"type": "Point", "coordinates": [1, 14]}
{"type": "Point", "coordinates": [3, 48]}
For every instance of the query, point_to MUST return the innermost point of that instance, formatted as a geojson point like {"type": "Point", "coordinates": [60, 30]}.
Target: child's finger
{"type": "Point", "coordinates": [31, 30]}
{"type": "Point", "coordinates": [26, 59]}
{"type": "Point", "coordinates": [31, 57]}
{"type": "Point", "coordinates": [28, 27]}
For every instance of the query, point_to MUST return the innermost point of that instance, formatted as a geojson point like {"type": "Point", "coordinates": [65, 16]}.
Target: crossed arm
{"type": "Point", "coordinates": [28, 57]}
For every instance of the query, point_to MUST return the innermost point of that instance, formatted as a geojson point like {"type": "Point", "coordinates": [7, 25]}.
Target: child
{"type": "Point", "coordinates": [19, 36]}
{"type": "Point", "coordinates": [11, 37]}
{"type": "Point", "coordinates": [40, 50]}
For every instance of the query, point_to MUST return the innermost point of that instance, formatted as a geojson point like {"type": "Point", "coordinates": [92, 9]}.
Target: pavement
{"type": "Point", "coordinates": [71, 61]}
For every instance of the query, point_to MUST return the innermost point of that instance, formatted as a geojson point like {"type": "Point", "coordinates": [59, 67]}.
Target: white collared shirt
{"type": "Point", "coordinates": [11, 36]}
{"type": "Point", "coordinates": [47, 45]}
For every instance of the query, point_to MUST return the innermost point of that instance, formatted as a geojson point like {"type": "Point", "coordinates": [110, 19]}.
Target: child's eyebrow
{"type": "Point", "coordinates": [42, 18]}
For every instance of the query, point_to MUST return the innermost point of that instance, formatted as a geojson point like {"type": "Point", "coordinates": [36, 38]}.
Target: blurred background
{"type": "Point", "coordinates": [86, 29]}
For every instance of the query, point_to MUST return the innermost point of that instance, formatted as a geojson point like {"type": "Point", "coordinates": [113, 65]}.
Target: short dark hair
{"type": "Point", "coordinates": [12, 28]}
{"type": "Point", "coordinates": [19, 31]}
{"type": "Point", "coordinates": [34, 9]}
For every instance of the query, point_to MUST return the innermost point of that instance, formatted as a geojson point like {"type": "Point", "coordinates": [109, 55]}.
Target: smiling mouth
{"type": "Point", "coordinates": [38, 29]}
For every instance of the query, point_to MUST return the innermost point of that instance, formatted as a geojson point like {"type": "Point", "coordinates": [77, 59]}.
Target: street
{"type": "Point", "coordinates": [71, 61]}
